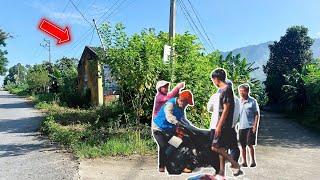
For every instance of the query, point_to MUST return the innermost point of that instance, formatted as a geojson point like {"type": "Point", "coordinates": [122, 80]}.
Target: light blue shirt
{"type": "Point", "coordinates": [248, 110]}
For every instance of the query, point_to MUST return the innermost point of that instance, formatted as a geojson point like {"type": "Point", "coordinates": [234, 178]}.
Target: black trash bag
{"type": "Point", "coordinates": [180, 158]}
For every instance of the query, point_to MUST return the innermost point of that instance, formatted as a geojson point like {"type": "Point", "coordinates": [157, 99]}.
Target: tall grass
{"type": "Point", "coordinates": [87, 142]}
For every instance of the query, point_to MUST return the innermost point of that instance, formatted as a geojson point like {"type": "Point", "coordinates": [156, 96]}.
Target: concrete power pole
{"type": "Point", "coordinates": [172, 32]}
{"type": "Point", "coordinates": [47, 44]}
{"type": "Point", "coordinates": [172, 21]}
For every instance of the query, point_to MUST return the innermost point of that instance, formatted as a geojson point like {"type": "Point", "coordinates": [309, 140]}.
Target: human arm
{"type": "Point", "coordinates": [169, 113]}
{"type": "Point", "coordinates": [257, 118]}
{"type": "Point", "coordinates": [175, 91]}
{"type": "Point", "coordinates": [226, 98]}
{"type": "Point", "coordinates": [225, 112]}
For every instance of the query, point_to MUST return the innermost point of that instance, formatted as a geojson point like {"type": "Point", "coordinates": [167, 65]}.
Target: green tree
{"type": "Point", "coordinates": [291, 52]}
{"type": "Point", "coordinates": [136, 64]}
{"type": "Point", "coordinates": [3, 59]}
{"type": "Point", "coordinates": [239, 72]}
{"type": "Point", "coordinates": [17, 74]}
{"type": "Point", "coordinates": [294, 95]}
{"type": "Point", "coordinates": [38, 78]}
{"type": "Point", "coordinates": [66, 74]}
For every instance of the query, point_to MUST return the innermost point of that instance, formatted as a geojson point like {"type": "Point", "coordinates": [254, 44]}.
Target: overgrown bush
{"type": "Point", "coordinates": [136, 64]}
{"type": "Point", "coordinates": [18, 89]}
{"type": "Point", "coordinates": [90, 141]}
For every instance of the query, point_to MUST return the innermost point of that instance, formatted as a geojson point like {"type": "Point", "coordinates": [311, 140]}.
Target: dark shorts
{"type": "Point", "coordinates": [227, 140]}
{"type": "Point", "coordinates": [247, 137]}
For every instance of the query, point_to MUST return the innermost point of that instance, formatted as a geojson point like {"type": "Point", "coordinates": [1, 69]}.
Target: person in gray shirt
{"type": "Point", "coordinates": [249, 122]}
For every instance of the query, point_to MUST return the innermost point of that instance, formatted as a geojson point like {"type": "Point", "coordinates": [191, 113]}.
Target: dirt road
{"type": "Point", "coordinates": [24, 154]}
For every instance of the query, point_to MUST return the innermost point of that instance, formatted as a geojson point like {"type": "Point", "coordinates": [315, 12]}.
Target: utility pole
{"type": "Point", "coordinates": [95, 25]}
{"type": "Point", "coordinates": [46, 44]}
{"type": "Point", "coordinates": [172, 32]}
{"type": "Point", "coordinates": [172, 21]}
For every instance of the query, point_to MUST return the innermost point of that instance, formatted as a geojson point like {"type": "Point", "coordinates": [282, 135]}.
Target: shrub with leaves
{"type": "Point", "coordinates": [136, 64]}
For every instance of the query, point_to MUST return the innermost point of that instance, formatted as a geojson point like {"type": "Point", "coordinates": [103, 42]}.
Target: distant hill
{"type": "Point", "coordinates": [260, 55]}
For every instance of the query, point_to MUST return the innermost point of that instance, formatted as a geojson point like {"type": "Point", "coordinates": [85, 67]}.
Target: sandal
{"type": "Point", "coordinates": [219, 177]}
{"type": "Point", "coordinates": [161, 169]}
{"type": "Point", "coordinates": [186, 170]}
{"type": "Point", "coordinates": [253, 165]}
{"type": "Point", "coordinates": [244, 165]}
{"type": "Point", "coordinates": [236, 172]}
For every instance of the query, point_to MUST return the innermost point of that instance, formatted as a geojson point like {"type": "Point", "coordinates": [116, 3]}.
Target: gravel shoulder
{"type": "Point", "coordinates": [24, 153]}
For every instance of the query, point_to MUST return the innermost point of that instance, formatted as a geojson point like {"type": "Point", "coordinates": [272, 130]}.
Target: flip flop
{"type": "Point", "coordinates": [244, 165]}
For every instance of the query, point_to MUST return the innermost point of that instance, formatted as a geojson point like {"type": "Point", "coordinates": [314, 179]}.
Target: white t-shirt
{"type": "Point", "coordinates": [213, 107]}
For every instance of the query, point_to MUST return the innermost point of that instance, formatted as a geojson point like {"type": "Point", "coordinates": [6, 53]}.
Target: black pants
{"type": "Point", "coordinates": [162, 140]}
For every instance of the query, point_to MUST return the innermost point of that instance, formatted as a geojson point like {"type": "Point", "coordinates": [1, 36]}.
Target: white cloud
{"type": "Point", "coordinates": [318, 35]}
{"type": "Point", "coordinates": [68, 17]}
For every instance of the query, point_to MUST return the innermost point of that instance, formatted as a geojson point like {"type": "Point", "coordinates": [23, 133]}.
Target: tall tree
{"type": "Point", "coordinates": [38, 78]}
{"type": "Point", "coordinates": [3, 59]}
{"type": "Point", "coordinates": [291, 52]}
{"type": "Point", "coordinates": [17, 74]}
{"type": "Point", "coordinates": [65, 72]}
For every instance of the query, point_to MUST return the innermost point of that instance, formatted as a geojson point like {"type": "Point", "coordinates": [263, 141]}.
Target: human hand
{"type": "Point", "coordinates": [178, 124]}
{"type": "Point", "coordinates": [217, 132]}
{"type": "Point", "coordinates": [254, 129]}
{"type": "Point", "coordinates": [182, 85]}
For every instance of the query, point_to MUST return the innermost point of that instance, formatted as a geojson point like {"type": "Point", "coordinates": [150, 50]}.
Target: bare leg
{"type": "Point", "coordinates": [225, 155]}
{"type": "Point", "coordinates": [222, 165]}
{"type": "Point", "coordinates": [253, 161]}
{"type": "Point", "coordinates": [244, 155]}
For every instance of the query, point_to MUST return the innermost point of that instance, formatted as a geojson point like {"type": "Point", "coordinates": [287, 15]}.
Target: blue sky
{"type": "Point", "coordinates": [229, 23]}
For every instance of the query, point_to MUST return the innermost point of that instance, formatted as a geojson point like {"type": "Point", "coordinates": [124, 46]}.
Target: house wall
{"type": "Point", "coordinates": [90, 77]}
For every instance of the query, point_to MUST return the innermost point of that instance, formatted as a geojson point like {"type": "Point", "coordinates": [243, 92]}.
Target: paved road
{"type": "Point", "coordinates": [24, 154]}
{"type": "Point", "coordinates": [285, 151]}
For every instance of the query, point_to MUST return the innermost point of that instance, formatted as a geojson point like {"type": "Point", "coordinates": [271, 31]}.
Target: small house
{"type": "Point", "coordinates": [94, 78]}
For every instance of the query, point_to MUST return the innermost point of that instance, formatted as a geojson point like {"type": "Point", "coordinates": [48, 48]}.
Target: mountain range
{"type": "Point", "coordinates": [259, 54]}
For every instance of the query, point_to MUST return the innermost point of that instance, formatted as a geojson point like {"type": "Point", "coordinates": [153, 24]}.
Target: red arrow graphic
{"type": "Point", "coordinates": [62, 35]}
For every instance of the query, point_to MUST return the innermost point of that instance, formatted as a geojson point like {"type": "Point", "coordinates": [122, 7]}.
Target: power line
{"type": "Point", "coordinates": [192, 24]}
{"type": "Point", "coordinates": [91, 37]}
{"type": "Point", "coordinates": [91, 5]}
{"type": "Point", "coordinates": [191, 21]}
{"type": "Point", "coordinates": [115, 7]}
{"type": "Point", "coordinates": [201, 24]}
{"type": "Point", "coordinates": [80, 12]}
